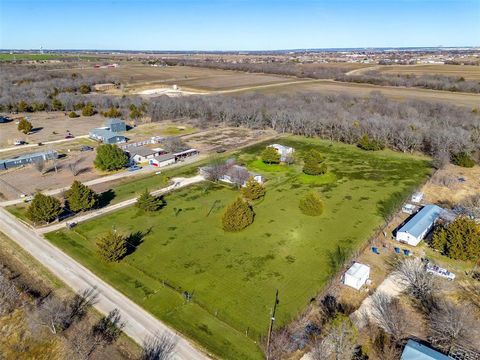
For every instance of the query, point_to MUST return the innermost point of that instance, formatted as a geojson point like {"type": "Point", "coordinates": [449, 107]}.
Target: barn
{"type": "Point", "coordinates": [419, 226]}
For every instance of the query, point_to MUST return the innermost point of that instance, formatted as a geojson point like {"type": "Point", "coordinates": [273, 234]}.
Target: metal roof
{"type": "Point", "coordinates": [48, 154]}
{"type": "Point", "coordinates": [104, 133]}
{"type": "Point", "coordinates": [164, 157]}
{"type": "Point", "coordinates": [114, 121]}
{"type": "Point", "coordinates": [422, 220]}
{"type": "Point", "coordinates": [416, 351]}
{"type": "Point", "coordinates": [142, 151]}
{"type": "Point", "coordinates": [357, 270]}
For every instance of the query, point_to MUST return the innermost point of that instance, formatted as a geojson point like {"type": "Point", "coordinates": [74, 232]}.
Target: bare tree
{"type": "Point", "coordinates": [216, 169]}
{"type": "Point", "coordinates": [388, 313]}
{"type": "Point", "coordinates": [419, 284]}
{"type": "Point", "coordinates": [39, 166]}
{"type": "Point", "coordinates": [9, 296]}
{"type": "Point", "coordinates": [451, 324]}
{"type": "Point", "coordinates": [53, 314]}
{"type": "Point", "coordinates": [340, 342]}
{"type": "Point", "coordinates": [159, 347]}
{"type": "Point", "coordinates": [81, 302]}
{"type": "Point", "coordinates": [174, 144]}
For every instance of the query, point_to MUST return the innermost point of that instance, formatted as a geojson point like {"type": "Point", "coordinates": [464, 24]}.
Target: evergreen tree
{"type": "Point", "coordinates": [112, 113]}
{"type": "Point", "coordinates": [270, 155]}
{"type": "Point", "coordinates": [458, 240]}
{"type": "Point", "coordinates": [110, 157]}
{"type": "Point", "coordinates": [25, 126]}
{"type": "Point", "coordinates": [80, 197]}
{"type": "Point", "coordinates": [43, 208]}
{"type": "Point", "coordinates": [463, 159]}
{"type": "Point", "coordinates": [368, 144]}
{"type": "Point", "coordinates": [311, 204]}
{"type": "Point", "coordinates": [57, 105]}
{"type": "Point", "coordinates": [253, 190]}
{"type": "Point", "coordinates": [112, 246]}
{"type": "Point", "coordinates": [237, 216]}
{"type": "Point", "coordinates": [148, 202]}
{"type": "Point", "coordinates": [85, 89]}
{"type": "Point", "coordinates": [314, 163]}
{"type": "Point", "coordinates": [73, 114]}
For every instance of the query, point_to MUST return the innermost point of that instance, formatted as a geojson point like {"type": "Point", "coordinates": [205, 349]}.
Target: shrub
{"type": "Point", "coordinates": [25, 126]}
{"type": "Point", "coordinates": [237, 216]}
{"type": "Point", "coordinates": [270, 155]}
{"type": "Point", "coordinates": [253, 190]}
{"type": "Point", "coordinates": [368, 144]}
{"type": "Point", "coordinates": [73, 114]}
{"type": "Point", "coordinates": [57, 105]}
{"type": "Point", "coordinates": [311, 204]}
{"type": "Point", "coordinates": [463, 159]}
{"type": "Point", "coordinates": [44, 209]}
{"type": "Point", "coordinates": [112, 113]}
{"type": "Point", "coordinates": [80, 197]}
{"type": "Point", "coordinates": [313, 163]}
{"type": "Point", "coordinates": [458, 240]}
{"type": "Point", "coordinates": [84, 89]}
{"type": "Point", "coordinates": [88, 110]}
{"type": "Point", "coordinates": [112, 246]}
{"type": "Point", "coordinates": [148, 202]}
{"type": "Point", "coordinates": [110, 157]}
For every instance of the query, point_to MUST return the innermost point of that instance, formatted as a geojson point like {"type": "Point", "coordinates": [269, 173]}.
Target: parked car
{"type": "Point", "coordinates": [86, 148]}
{"type": "Point", "coordinates": [69, 136]}
{"type": "Point", "coordinates": [134, 168]}
{"type": "Point", "coordinates": [19, 142]}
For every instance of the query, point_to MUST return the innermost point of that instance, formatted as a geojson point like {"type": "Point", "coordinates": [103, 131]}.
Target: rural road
{"type": "Point", "coordinates": [44, 143]}
{"type": "Point", "coordinates": [139, 323]}
{"type": "Point", "coordinates": [178, 183]}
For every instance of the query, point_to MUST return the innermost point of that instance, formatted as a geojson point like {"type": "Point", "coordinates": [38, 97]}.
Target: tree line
{"type": "Point", "coordinates": [437, 129]}
{"type": "Point", "coordinates": [434, 82]}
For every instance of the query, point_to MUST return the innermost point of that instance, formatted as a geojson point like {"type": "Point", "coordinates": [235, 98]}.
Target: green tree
{"type": "Point", "coordinates": [237, 216]}
{"type": "Point", "coordinates": [135, 113]}
{"type": "Point", "coordinates": [112, 113]}
{"type": "Point", "coordinates": [57, 105]}
{"type": "Point", "coordinates": [458, 240]}
{"type": "Point", "coordinates": [311, 204]}
{"type": "Point", "coordinates": [84, 89]}
{"type": "Point", "coordinates": [23, 106]}
{"type": "Point", "coordinates": [314, 163]}
{"type": "Point", "coordinates": [43, 208]}
{"type": "Point", "coordinates": [112, 246]}
{"type": "Point", "coordinates": [148, 202]}
{"type": "Point", "coordinates": [110, 157]}
{"type": "Point", "coordinates": [463, 159]}
{"type": "Point", "coordinates": [366, 143]}
{"type": "Point", "coordinates": [25, 126]}
{"type": "Point", "coordinates": [253, 190]}
{"type": "Point", "coordinates": [88, 110]}
{"type": "Point", "coordinates": [270, 155]}
{"type": "Point", "coordinates": [73, 114]}
{"type": "Point", "coordinates": [80, 197]}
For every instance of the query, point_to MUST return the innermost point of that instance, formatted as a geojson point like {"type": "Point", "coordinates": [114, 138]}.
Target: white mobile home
{"type": "Point", "coordinates": [419, 226]}
{"type": "Point", "coordinates": [284, 151]}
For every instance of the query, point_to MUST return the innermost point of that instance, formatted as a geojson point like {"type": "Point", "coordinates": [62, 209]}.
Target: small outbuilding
{"type": "Point", "coordinates": [26, 159]}
{"type": "Point", "coordinates": [143, 154]}
{"type": "Point", "coordinates": [357, 275]}
{"type": "Point", "coordinates": [284, 151]}
{"type": "Point", "coordinates": [416, 351]}
{"type": "Point", "coordinates": [419, 226]}
{"type": "Point", "coordinates": [417, 197]}
{"type": "Point", "coordinates": [162, 160]}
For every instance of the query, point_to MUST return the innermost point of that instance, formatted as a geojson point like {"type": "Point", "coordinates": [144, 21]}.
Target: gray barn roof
{"type": "Point", "coordinates": [422, 220]}
{"type": "Point", "coordinates": [416, 351]}
{"type": "Point", "coordinates": [104, 133]}
{"type": "Point", "coordinates": [142, 151]}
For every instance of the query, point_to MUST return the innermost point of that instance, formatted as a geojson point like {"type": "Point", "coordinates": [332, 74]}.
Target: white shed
{"type": "Point", "coordinates": [417, 197]}
{"type": "Point", "coordinates": [357, 275]}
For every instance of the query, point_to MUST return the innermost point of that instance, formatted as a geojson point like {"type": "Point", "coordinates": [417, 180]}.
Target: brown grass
{"type": "Point", "coordinates": [469, 72]}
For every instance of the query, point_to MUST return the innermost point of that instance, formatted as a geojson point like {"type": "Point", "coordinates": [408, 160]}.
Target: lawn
{"type": "Point", "coordinates": [233, 277]}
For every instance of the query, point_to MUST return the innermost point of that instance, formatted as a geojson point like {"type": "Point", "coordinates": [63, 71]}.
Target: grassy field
{"type": "Point", "coordinates": [40, 57]}
{"type": "Point", "coordinates": [233, 277]}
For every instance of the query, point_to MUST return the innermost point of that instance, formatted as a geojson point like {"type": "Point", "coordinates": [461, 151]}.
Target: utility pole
{"type": "Point", "coordinates": [272, 320]}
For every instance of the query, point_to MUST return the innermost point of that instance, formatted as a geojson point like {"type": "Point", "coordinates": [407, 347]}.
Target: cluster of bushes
{"type": "Point", "coordinates": [366, 143]}
{"type": "Point", "coordinates": [314, 163]}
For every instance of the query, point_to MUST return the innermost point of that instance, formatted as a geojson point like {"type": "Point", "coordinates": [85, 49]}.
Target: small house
{"type": "Point", "coordinates": [417, 197]}
{"type": "Point", "coordinates": [417, 228]}
{"type": "Point", "coordinates": [416, 351]}
{"type": "Point", "coordinates": [162, 160]}
{"type": "Point", "coordinates": [232, 173]}
{"type": "Point", "coordinates": [143, 154]}
{"type": "Point", "coordinates": [284, 151]}
{"type": "Point", "coordinates": [408, 209]}
{"type": "Point", "coordinates": [106, 136]}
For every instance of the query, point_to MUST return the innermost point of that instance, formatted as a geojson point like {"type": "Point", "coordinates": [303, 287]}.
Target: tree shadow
{"type": "Point", "coordinates": [36, 129]}
{"type": "Point", "coordinates": [135, 239]}
{"type": "Point", "coordinates": [105, 198]}
{"type": "Point", "coordinates": [83, 170]}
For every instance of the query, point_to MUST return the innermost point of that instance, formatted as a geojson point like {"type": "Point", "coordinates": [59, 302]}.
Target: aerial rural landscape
{"type": "Point", "coordinates": [181, 199]}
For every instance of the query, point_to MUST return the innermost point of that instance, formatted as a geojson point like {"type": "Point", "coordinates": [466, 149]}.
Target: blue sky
{"type": "Point", "coordinates": [237, 24]}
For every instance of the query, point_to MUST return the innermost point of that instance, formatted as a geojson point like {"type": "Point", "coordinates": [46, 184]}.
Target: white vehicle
{"type": "Point", "coordinates": [18, 142]}
{"type": "Point", "coordinates": [438, 271]}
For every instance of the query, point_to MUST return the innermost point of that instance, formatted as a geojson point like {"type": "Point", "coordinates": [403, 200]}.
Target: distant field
{"type": "Point", "coordinates": [397, 93]}
{"type": "Point", "coordinates": [233, 277]}
{"type": "Point", "coordinates": [39, 57]}
{"type": "Point", "coordinates": [469, 72]}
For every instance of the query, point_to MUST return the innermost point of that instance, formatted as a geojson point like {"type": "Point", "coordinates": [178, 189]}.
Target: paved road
{"type": "Point", "coordinates": [177, 184]}
{"type": "Point", "coordinates": [44, 143]}
{"type": "Point", "coordinates": [139, 323]}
